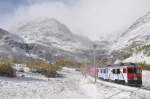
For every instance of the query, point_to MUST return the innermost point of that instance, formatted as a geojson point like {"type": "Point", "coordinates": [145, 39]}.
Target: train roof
{"type": "Point", "coordinates": [123, 64]}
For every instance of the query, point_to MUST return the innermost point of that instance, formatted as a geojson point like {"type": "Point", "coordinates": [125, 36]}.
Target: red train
{"type": "Point", "coordinates": [124, 73]}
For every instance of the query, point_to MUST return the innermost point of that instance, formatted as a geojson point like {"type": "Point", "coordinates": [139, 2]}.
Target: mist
{"type": "Point", "coordinates": [92, 18]}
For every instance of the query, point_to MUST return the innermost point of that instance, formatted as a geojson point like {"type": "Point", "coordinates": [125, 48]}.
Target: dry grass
{"type": "Point", "coordinates": [7, 70]}
{"type": "Point", "coordinates": [49, 70]}
{"type": "Point", "coordinates": [145, 66]}
{"type": "Point", "coordinates": [68, 63]}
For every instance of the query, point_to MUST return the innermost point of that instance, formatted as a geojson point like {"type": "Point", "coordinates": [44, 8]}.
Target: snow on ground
{"type": "Point", "coordinates": [146, 78]}
{"type": "Point", "coordinates": [70, 84]}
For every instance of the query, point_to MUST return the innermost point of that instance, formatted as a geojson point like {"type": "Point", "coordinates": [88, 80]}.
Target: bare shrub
{"type": "Point", "coordinates": [7, 70]}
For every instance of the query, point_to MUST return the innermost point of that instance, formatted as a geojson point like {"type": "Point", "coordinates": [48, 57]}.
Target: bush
{"type": "Point", "coordinates": [68, 63]}
{"type": "Point", "coordinates": [49, 70]}
{"type": "Point", "coordinates": [35, 65]}
{"type": "Point", "coordinates": [145, 66]}
{"type": "Point", "coordinates": [7, 70]}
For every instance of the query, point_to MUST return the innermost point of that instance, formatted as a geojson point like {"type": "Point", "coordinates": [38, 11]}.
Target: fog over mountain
{"type": "Point", "coordinates": [46, 39]}
{"type": "Point", "coordinates": [92, 18]}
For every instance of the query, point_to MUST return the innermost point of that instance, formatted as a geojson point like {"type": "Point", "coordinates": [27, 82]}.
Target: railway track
{"type": "Point", "coordinates": [142, 87]}
{"type": "Point", "coordinates": [145, 88]}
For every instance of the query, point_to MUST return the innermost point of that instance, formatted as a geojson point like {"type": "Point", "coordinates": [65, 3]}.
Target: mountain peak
{"type": "Point", "coordinates": [50, 32]}
{"type": "Point", "coordinates": [50, 25]}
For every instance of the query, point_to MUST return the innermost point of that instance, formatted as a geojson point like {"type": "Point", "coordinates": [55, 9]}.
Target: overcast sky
{"type": "Point", "coordinates": [92, 18]}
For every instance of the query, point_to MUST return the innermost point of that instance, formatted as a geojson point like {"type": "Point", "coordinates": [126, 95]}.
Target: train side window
{"type": "Point", "coordinates": [118, 71]}
{"type": "Point", "coordinates": [104, 71]}
{"type": "Point", "coordinates": [124, 70]}
{"type": "Point", "coordinates": [113, 71]}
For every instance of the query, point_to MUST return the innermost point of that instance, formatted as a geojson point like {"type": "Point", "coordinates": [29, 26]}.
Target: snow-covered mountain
{"type": "Point", "coordinates": [10, 44]}
{"type": "Point", "coordinates": [50, 32]}
{"type": "Point", "coordinates": [13, 47]}
{"type": "Point", "coordinates": [45, 39]}
{"type": "Point", "coordinates": [50, 39]}
{"type": "Point", "coordinates": [134, 41]}
{"type": "Point", "coordinates": [137, 34]}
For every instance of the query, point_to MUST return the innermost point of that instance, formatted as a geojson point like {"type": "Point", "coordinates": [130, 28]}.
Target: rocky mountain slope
{"type": "Point", "coordinates": [49, 39]}
{"type": "Point", "coordinates": [134, 40]}
{"type": "Point", "coordinates": [10, 44]}
{"type": "Point", "coordinates": [13, 47]}
{"type": "Point", "coordinates": [46, 39]}
{"type": "Point", "coordinates": [138, 33]}
{"type": "Point", "coordinates": [50, 32]}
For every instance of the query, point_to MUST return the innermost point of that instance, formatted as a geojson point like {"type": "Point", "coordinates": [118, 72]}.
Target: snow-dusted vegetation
{"type": "Point", "coordinates": [7, 70]}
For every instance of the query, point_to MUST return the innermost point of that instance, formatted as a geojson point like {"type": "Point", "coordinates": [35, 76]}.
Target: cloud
{"type": "Point", "coordinates": [92, 18]}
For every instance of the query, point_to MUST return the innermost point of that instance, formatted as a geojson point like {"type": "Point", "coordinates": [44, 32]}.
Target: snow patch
{"type": "Point", "coordinates": [70, 85]}
{"type": "Point", "coordinates": [138, 58]}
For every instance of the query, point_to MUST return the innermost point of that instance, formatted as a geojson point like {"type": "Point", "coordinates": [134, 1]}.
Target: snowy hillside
{"type": "Point", "coordinates": [50, 32]}
{"type": "Point", "coordinates": [10, 44]}
{"type": "Point", "coordinates": [45, 39]}
{"type": "Point", "coordinates": [137, 34]}
{"type": "Point", "coordinates": [134, 41]}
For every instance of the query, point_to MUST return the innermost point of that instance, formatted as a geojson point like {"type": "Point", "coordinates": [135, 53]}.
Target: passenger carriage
{"type": "Point", "coordinates": [129, 73]}
{"type": "Point", "coordinates": [103, 73]}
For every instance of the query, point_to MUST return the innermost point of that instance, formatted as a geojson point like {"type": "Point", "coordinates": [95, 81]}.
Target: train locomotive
{"type": "Point", "coordinates": [124, 73]}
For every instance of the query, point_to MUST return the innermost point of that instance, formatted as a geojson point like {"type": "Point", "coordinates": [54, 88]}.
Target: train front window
{"type": "Point", "coordinates": [134, 70]}
{"type": "Point", "coordinates": [130, 70]}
